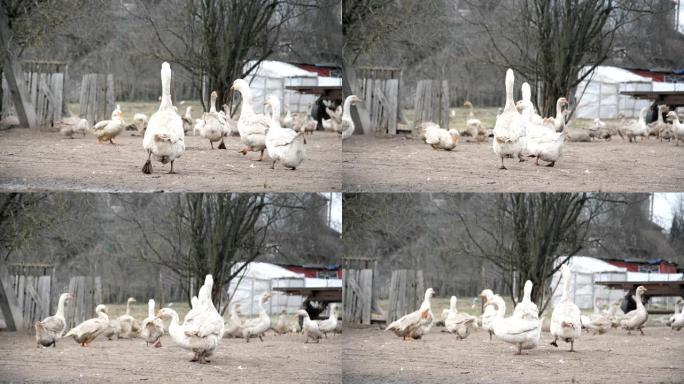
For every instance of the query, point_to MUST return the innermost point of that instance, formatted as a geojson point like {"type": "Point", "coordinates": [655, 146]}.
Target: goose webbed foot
{"type": "Point", "coordinates": [222, 145]}
{"type": "Point", "coordinates": [554, 343]}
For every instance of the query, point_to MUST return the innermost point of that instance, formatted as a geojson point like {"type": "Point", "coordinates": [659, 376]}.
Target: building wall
{"type": "Point", "coordinates": [314, 272]}
{"type": "Point", "coordinates": [635, 267]}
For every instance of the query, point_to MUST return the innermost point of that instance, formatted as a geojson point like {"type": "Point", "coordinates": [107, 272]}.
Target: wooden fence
{"type": "Point", "coordinates": [96, 101]}
{"type": "Point", "coordinates": [44, 85]}
{"type": "Point", "coordinates": [407, 290]}
{"type": "Point", "coordinates": [25, 295]}
{"type": "Point", "coordinates": [432, 102]}
{"type": "Point", "coordinates": [86, 293]}
{"type": "Point", "coordinates": [379, 89]}
{"type": "Point", "coordinates": [357, 296]}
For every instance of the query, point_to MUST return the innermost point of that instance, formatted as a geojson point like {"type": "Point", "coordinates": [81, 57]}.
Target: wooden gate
{"type": "Point", "coordinates": [379, 89]}
{"type": "Point", "coordinates": [407, 290]}
{"type": "Point", "coordinates": [96, 101]}
{"type": "Point", "coordinates": [24, 298]}
{"type": "Point", "coordinates": [44, 85]}
{"type": "Point", "coordinates": [432, 103]}
{"type": "Point", "coordinates": [86, 293]}
{"type": "Point", "coordinates": [357, 296]}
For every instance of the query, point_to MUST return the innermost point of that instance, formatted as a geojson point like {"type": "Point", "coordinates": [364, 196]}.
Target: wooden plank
{"type": "Point", "coordinates": [44, 295]}
{"type": "Point", "coordinates": [8, 302]}
{"type": "Point", "coordinates": [392, 105]}
{"type": "Point", "coordinates": [444, 105]}
{"type": "Point", "coordinates": [367, 293]}
{"type": "Point", "coordinates": [20, 292]}
{"type": "Point", "coordinates": [97, 297]}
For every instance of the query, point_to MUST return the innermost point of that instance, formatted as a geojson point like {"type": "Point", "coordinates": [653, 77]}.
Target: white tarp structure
{"type": "Point", "coordinates": [599, 94]}
{"type": "Point", "coordinates": [585, 271]}
{"type": "Point", "coordinates": [258, 278]}
{"type": "Point", "coordinates": [271, 77]}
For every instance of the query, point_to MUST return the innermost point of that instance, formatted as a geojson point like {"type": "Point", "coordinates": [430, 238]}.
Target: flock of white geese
{"type": "Point", "coordinates": [164, 132]}
{"type": "Point", "coordinates": [201, 330]}
{"type": "Point", "coordinates": [520, 132]}
{"type": "Point", "coordinates": [523, 327]}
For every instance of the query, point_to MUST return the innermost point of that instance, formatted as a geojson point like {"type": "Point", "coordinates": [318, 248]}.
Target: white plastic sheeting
{"type": "Point", "coordinates": [259, 277]}
{"type": "Point", "coordinates": [599, 94]}
{"type": "Point", "coordinates": [271, 77]}
{"type": "Point", "coordinates": [585, 271]}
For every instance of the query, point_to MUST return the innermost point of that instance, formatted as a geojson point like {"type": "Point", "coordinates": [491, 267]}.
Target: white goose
{"type": "Point", "coordinates": [557, 123]}
{"type": "Point", "coordinates": [187, 120]}
{"type": "Point", "coordinates": [284, 145]}
{"type": "Point", "coordinates": [233, 327]}
{"type": "Point", "coordinates": [440, 138]}
{"type": "Point", "coordinates": [164, 137]}
{"type": "Point", "coordinates": [676, 321]}
{"type": "Point", "coordinates": [252, 126]}
{"type": "Point", "coordinates": [527, 309]}
{"type": "Point", "coordinates": [329, 324]}
{"type": "Point", "coordinates": [634, 129]}
{"type": "Point", "coordinates": [52, 327]}
{"type": "Point", "coordinates": [597, 322]}
{"type": "Point", "coordinates": [491, 311]}
{"type": "Point", "coordinates": [260, 325]}
{"type": "Point", "coordinates": [214, 125]}
{"type": "Point", "coordinates": [458, 323]}
{"type": "Point", "coordinates": [89, 330]}
{"type": "Point", "coordinates": [200, 332]}
{"type": "Point", "coordinates": [509, 126]}
{"type": "Point", "coordinates": [540, 141]}
{"type": "Point", "coordinates": [677, 127]}
{"type": "Point", "coordinates": [282, 325]}
{"type": "Point", "coordinates": [309, 328]}
{"type": "Point", "coordinates": [152, 327]}
{"type": "Point", "coordinates": [526, 92]}
{"type": "Point", "coordinates": [523, 328]}
{"type": "Point", "coordinates": [636, 318]}
{"type": "Point", "coordinates": [415, 324]}
{"type": "Point", "coordinates": [346, 127]}
{"type": "Point", "coordinates": [566, 323]}
{"type": "Point", "coordinates": [107, 130]}
{"type": "Point", "coordinates": [127, 322]}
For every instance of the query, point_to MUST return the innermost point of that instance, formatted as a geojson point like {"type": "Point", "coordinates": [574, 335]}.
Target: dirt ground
{"type": "Point", "coordinates": [279, 359]}
{"type": "Point", "coordinates": [37, 161]}
{"type": "Point", "coordinates": [382, 163]}
{"type": "Point", "coordinates": [372, 356]}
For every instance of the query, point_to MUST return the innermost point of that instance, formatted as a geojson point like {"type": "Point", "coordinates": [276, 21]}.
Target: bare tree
{"type": "Point", "coordinates": [550, 41]}
{"type": "Point", "coordinates": [21, 219]}
{"type": "Point", "coordinates": [198, 234]}
{"type": "Point", "coordinates": [222, 40]}
{"type": "Point", "coordinates": [524, 234]}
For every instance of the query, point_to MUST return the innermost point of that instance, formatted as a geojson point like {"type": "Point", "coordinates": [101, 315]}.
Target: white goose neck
{"type": "Point", "coordinates": [559, 110]}
{"type": "Point", "coordinates": [639, 303]}
{"type": "Point", "coordinates": [346, 113]}
{"type": "Point", "coordinates": [166, 87]}
{"type": "Point", "coordinates": [275, 111]}
{"type": "Point", "coordinates": [246, 102]}
{"type": "Point", "coordinates": [212, 107]}
{"type": "Point", "coordinates": [150, 308]}
{"type": "Point", "coordinates": [60, 305]}
{"type": "Point", "coordinates": [510, 81]}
